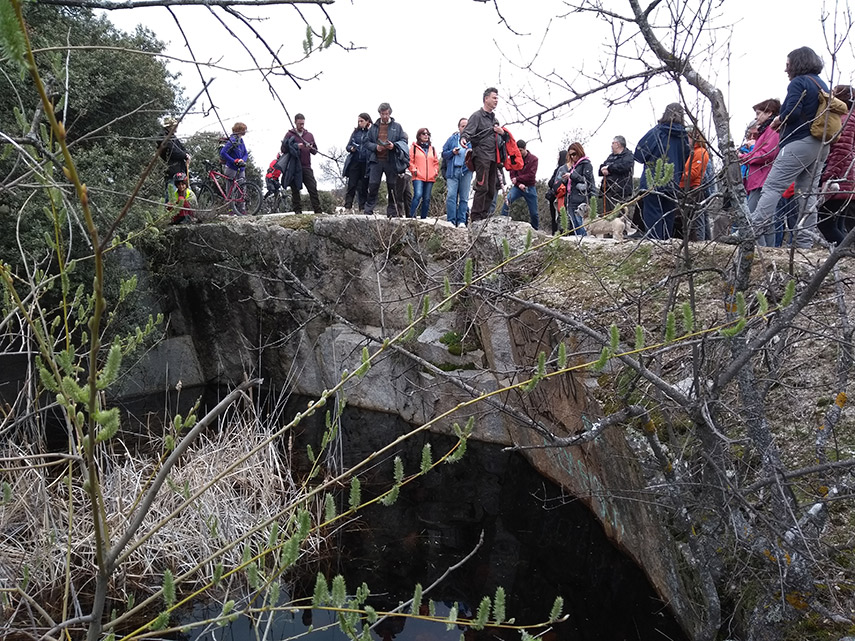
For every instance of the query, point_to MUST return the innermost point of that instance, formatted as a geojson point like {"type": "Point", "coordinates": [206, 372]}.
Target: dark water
{"type": "Point", "coordinates": [538, 543]}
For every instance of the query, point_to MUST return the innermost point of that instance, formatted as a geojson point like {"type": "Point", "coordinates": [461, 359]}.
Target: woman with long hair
{"type": "Point", "coordinates": [579, 180]}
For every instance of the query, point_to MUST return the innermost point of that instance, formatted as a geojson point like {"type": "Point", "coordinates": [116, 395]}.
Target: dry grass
{"type": "Point", "coordinates": [40, 537]}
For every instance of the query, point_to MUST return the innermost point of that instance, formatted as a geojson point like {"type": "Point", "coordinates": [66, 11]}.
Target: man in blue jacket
{"type": "Point", "coordinates": [380, 143]}
{"type": "Point", "coordinates": [458, 178]}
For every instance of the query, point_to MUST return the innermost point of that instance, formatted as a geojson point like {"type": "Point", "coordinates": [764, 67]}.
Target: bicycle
{"type": "Point", "coordinates": [275, 201]}
{"type": "Point", "coordinates": [218, 194]}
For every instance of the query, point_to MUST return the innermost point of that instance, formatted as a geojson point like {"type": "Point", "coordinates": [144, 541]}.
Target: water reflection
{"type": "Point", "coordinates": [320, 625]}
{"type": "Point", "coordinates": [538, 543]}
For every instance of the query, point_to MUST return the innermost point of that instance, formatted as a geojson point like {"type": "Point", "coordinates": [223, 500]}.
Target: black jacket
{"type": "Point", "coordinates": [175, 156]}
{"type": "Point", "coordinates": [581, 185]}
{"type": "Point", "coordinates": [289, 163]}
{"type": "Point", "coordinates": [479, 132]}
{"type": "Point", "coordinates": [357, 154]}
{"type": "Point", "coordinates": [618, 184]}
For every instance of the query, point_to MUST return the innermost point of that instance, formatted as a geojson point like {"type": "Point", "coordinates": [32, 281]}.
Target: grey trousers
{"type": "Point", "coordinates": [800, 161]}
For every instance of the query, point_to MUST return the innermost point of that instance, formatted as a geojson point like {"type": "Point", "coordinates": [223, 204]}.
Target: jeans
{"type": "Point", "coordinates": [530, 195]}
{"type": "Point", "coordinates": [457, 200]}
{"type": "Point", "coordinates": [575, 220]}
{"type": "Point", "coordinates": [421, 192]}
{"type": "Point", "coordinates": [799, 161]}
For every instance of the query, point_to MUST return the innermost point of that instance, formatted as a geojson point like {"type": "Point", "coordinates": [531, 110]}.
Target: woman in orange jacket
{"type": "Point", "coordinates": [424, 166]}
{"type": "Point", "coordinates": [695, 223]}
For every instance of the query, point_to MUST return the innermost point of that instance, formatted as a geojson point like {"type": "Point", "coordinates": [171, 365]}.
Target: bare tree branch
{"type": "Point", "coordinates": [110, 5]}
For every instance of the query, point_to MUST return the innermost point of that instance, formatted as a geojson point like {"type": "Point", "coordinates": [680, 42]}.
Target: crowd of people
{"type": "Point", "coordinates": [783, 163]}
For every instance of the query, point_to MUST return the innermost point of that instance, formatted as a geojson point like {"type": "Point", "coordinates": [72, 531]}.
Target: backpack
{"type": "Point", "coordinates": [510, 156]}
{"type": "Point", "coordinates": [827, 123]}
{"type": "Point", "coordinates": [222, 142]}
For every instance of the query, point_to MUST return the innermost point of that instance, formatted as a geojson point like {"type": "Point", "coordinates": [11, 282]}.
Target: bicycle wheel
{"type": "Point", "coordinates": [252, 198]}
{"type": "Point", "coordinates": [208, 204]}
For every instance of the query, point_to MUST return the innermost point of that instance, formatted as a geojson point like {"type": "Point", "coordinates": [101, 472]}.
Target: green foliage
{"type": "Point", "coordinates": [730, 332]}
{"type": "Point", "coordinates": [427, 459]}
{"type": "Point", "coordinates": [639, 337]}
{"type": "Point", "coordinates": [562, 355]}
{"type": "Point", "coordinates": [614, 338]}
{"type": "Point", "coordinates": [483, 614]}
{"type": "Point", "coordinates": [467, 271]}
{"type": "Point", "coordinates": [329, 507]}
{"type": "Point", "coordinates": [600, 363]}
{"type": "Point", "coordinates": [161, 622]}
{"type": "Point", "coordinates": [670, 327]}
{"type": "Point", "coordinates": [462, 436]}
{"type": "Point", "coordinates": [355, 493]}
{"type": "Point", "coordinates": [506, 249]}
{"type": "Point", "coordinates": [109, 422]}
{"type": "Point", "coordinates": [417, 599]}
{"type": "Point", "coordinates": [366, 363]}
{"type": "Point", "coordinates": [370, 614]}
{"type": "Point", "coordinates": [322, 594]}
{"type": "Point", "coordinates": [688, 318]}
{"type": "Point", "coordinates": [11, 38]}
{"type": "Point", "coordinates": [168, 588]}
{"type": "Point", "coordinates": [763, 303]}
{"type": "Point", "coordinates": [125, 93]}
{"type": "Point", "coordinates": [308, 43]}
{"type": "Point", "coordinates": [499, 605]}
{"type": "Point", "coordinates": [789, 293]}
{"type": "Point", "coordinates": [338, 593]}
{"type": "Point", "coordinates": [290, 552]}
{"type": "Point", "coordinates": [740, 303]}
{"type": "Point", "coordinates": [660, 174]}
{"type": "Point", "coordinates": [304, 524]}
{"type": "Point", "coordinates": [557, 608]}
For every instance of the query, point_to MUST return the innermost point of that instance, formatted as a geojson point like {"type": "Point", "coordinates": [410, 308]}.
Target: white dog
{"type": "Point", "coordinates": [619, 227]}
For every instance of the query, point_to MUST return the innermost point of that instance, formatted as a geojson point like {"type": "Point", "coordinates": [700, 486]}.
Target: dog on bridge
{"type": "Point", "coordinates": [618, 227]}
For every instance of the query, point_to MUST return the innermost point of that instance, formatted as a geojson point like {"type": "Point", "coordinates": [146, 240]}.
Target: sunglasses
{"type": "Point", "coordinates": [425, 133]}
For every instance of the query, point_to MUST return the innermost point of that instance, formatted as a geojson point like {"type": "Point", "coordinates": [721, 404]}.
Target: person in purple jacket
{"type": "Point", "coordinates": [234, 156]}
{"type": "Point", "coordinates": [306, 143]}
{"type": "Point", "coordinates": [801, 156]}
{"type": "Point", "coordinates": [524, 184]}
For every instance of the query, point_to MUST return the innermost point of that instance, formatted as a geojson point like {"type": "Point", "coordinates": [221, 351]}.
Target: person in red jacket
{"type": "Point", "coordinates": [837, 213]}
{"type": "Point", "coordinates": [524, 184]}
{"type": "Point", "coordinates": [424, 167]}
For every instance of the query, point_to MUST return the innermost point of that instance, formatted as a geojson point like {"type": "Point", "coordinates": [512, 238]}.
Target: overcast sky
{"type": "Point", "coordinates": [432, 60]}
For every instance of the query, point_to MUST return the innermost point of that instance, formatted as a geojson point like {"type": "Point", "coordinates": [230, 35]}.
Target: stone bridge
{"type": "Point", "coordinates": [295, 299]}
